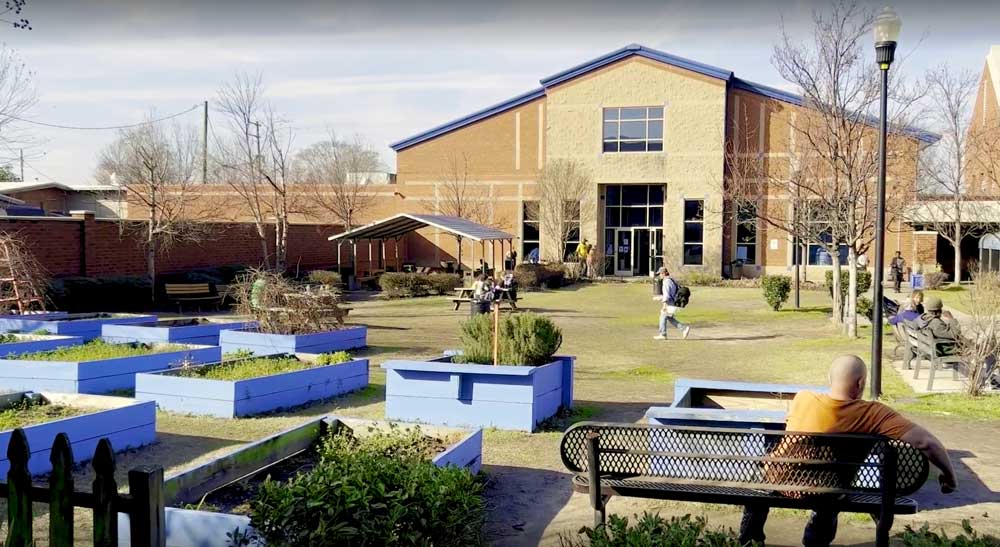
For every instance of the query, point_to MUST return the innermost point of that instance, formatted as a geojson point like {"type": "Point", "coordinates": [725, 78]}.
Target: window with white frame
{"type": "Point", "coordinates": [529, 229]}
{"type": "Point", "coordinates": [633, 129]}
{"type": "Point", "coordinates": [694, 231]}
{"type": "Point", "coordinates": [746, 233]}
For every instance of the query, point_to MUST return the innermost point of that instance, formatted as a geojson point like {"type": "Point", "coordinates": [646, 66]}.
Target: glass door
{"type": "Point", "coordinates": [623, 251]}
{"type": "Point", "coordinates": [640, 251]}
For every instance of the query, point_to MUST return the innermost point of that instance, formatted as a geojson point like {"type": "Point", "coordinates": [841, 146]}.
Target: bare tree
{"type": "Point", "coordinates": [980, 344]}
{"type": "Point", "coordinates": [156, 169]}
{"type": "Point", "coordinates": [11, 14]}
{"type": "Point", "coordinates": [17, 95]}
{"type": "Point", "coordinates": [335, 170]}
{"type": "Point", "coordinates": [949, 202]}
{"type": "Point", "coordinates": [460, 194]}
{"type": "Point", "coordinates": [254, 160]}
{"type": "Point", "coordinates": [566, 195]}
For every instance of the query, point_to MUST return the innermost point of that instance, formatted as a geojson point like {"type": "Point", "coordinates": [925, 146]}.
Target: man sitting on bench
{"type": "Point", "coordinates": [844, 411]}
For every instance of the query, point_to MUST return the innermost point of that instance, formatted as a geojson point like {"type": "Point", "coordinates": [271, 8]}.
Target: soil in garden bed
{"type": "Point", "coordinates": [31, 412]}
{"type": "Point", "coordinates": [235, 498]}
{"type": "Point", "coordinates": [99, 349]}
{"type": "Point", "coordinates": [242, 369]}
{"type": "Point", "coordinates": [187, 322]}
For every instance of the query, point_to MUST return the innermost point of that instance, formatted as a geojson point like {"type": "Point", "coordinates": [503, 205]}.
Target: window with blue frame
{"type": "Point", "coordinates": [818, 255]}
{"type": "Point", "coordinates": [633, 129]}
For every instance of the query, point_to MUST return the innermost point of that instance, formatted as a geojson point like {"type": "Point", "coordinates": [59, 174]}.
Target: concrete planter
{"type": "Point", "coordinates": [235, 398]}
{"type": "Point", "coordinates": [126, 423]}
{"type": "Point", "coordinates": [99, 376]}
{"type": "Point", "coordinates": [187, 528]}
{"type": "Point", "coordinates": [86, 325]}
{"type": "Point", "coordinates": [171, 331]}
{"type": "Point", "coordinates": [30, 343]}
{"type": "Point", "coordinates": [262, 343]}
{"type": "Point", "coordinates": [464, 395]}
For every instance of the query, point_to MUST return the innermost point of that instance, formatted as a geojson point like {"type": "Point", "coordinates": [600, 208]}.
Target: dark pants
{"type": "Point", "coordinates": [897, 280]}
{"type": "Point", "coordinates": [820, 530]}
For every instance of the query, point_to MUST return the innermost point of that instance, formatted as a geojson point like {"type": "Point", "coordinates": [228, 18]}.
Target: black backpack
{"type": "Point", "coordinates": [682, 297]}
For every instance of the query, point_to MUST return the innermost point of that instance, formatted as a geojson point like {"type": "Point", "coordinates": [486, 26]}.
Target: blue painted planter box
{"type": "Point", "coordinates": [87, 325]}
{"type": "Point", "coordinates": [171, 331]}
{"type": "Point", "coordinates": [126, 423]}
{"type": "Point", "coordinates": [262, 343]}
{"type": "Point", "coordinates": [193, 528]}
{"type": "Point", "coordinates": [464, 395]}
{"type": "Point", "coordinates": [234, 398]}
{"type": "Point", "coordinates": [31, 343]}
{"type": "Point", "coordinates": [100, 376]}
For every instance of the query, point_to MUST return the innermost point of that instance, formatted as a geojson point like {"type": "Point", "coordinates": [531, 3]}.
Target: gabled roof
{"type": "Point", "coordinates": [8, 187]}
{"type": "Point", "coordinates": [612, 57]}
{"type": "Point", "coordinates": [404, 223]}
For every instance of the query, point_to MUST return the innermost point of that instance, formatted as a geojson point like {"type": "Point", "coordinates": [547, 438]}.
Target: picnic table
{"type": "Point", "coordinates": [464, 294]}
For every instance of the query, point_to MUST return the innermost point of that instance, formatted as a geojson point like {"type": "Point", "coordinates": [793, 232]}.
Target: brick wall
{"type": "Point", "coordinates": [83, 245]}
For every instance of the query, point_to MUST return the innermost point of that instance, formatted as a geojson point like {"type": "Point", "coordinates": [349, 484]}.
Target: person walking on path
{"type": "Point", "coordinates": [592, 262]}
{"type": "Point", "coordinates": [896, 269]}
{"type": "Point", "coordinates": [667, 307]}
{"type": "Point", "coordinates": [844, 411]}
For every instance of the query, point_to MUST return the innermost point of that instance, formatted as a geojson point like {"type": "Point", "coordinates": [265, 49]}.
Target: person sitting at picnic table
{"type": "Point", "coordinates": [844, 411]}
{"type": "Point", "coordinates": [508, 284]}
{"type": "Point", "coordinates": [941, 324]}
{"type": "Point", "coordinates": [913, 309]}
{"type": "Point", "coordinates": [482, 289]}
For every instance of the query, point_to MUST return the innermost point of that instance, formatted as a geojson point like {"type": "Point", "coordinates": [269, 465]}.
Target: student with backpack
{"type": "Point", "coordinates": [672, 297]}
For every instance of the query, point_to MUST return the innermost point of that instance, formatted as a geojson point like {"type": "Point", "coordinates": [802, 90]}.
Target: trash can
{"type": "Point", "coordinates": [479, 307]}
{"type": "Point", "coordinates": [916, 281]}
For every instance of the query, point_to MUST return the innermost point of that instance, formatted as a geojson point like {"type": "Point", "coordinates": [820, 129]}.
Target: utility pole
{"type": "Point", "coordinates": [204, 147]}
{"type": "Point", "coordinates": [22, 164]}
{"type": "Point", "coordinates": [257, 136]}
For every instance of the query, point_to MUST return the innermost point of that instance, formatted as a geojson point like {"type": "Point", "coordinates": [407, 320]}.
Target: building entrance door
{"type": "Point", "coordinates": [623, 251]}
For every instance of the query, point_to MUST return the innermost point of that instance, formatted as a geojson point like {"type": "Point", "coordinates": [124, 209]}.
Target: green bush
{"type": "Point", "coordinates": [864, 306]}
{"type": "Point", "coordinates": [443, 283]}
{"type": "Point", "coordinates": [372, 491]}
{"type": "Point", "coordinates": [923, 537]}
{"type": "Point", "coordinates": [112, 294]}
{"type": "Point", "coordinates": [324, 277]}
{"type": "Point", "coordinates": [404, 285]}
{"type": "Point", "coordinates": [525, 339]}
{"type": "Point", "coordinates": [776, 290]}
{"type": "Point", "coordinates": [864, 282]}
{"type": "Point", "coordinates": [699, 279]}
{"type": "Point", "coordinates": [549, 275]}
{"type": "Point", "coordinates": [652, 531]}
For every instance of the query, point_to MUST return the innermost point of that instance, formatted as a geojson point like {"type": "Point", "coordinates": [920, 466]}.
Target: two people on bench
{"type": "Point", "coordinates": [844, 411]}
{"type": "Point", "coordinates": [912, 311]}
{"type": "Point", "coordinates": [940, 323]}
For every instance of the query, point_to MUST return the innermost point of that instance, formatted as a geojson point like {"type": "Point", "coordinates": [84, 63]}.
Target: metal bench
{"type": "Point", "coordinates": [197, 293]}
{"type": "Point", "coordinates": [921, 345]}
{"type": "Point", "coordinates": [851, 473]}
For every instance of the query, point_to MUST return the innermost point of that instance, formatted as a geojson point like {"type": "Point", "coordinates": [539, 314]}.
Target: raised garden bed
{"type": "Point", "coordinates": [244, 387]}
{"type": "Point", "coordinates": [87, 325]}
{"type": "Point", "coordinates": [97, 367]}
{"type": "Point", "coordinates": [262, 343]}
{"type": "Point", "coordinates": [86, 419]}
{"type": "Point", "coordinates": [227, 482]}
{"type": "Point", "coordinates": [15, 344]}
{"type": "Point", "coordinates": [193, 330]}
{"type": "Point", "coordinates": [728, 404]}
{"type": "Point", "coordinates": [471, 395]}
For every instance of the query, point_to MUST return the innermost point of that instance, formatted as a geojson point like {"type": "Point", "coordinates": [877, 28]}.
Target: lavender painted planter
{"type": "Point", "coordinates": [172, 331]}
{"type": "Point", "coordinates": [126, 423]}
{"type": "Point", "coordinates": [86, 325]}
{"type": "Point", "coordinates": [192, 528]}
{"type": "Point", "coordinates": [234, 398]}
{"type": "Point", "coordinates": [99, 376]}
{"type": "Point", "coordinates": [463, 395]}
{"type": "Point", "coordinates": [262, 343]}
{"type": "Point", "coordinates": [30, 343]}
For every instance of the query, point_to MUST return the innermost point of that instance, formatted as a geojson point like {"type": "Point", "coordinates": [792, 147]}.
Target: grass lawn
{"type": "Point", "coordinates": [951, 297]}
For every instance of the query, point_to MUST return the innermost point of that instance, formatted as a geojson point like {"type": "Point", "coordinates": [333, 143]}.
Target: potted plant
{"type": "Point", "coordinates": [510, 381]}
{"type": "Point", "coordinates": [289, 318]}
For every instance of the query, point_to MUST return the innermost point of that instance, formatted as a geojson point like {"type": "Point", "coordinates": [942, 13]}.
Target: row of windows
{"type": "Point", "coordinates": [634, 129]}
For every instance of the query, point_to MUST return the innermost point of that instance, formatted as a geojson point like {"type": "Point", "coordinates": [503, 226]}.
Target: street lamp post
{"type": "Point", "coordinates": [886, 32]}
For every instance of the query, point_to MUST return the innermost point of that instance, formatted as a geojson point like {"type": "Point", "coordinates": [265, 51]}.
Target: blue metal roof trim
{"type": "Point", "coordinates": [466, 120]}
{"type": "Point", "coordinates": [643, 51]}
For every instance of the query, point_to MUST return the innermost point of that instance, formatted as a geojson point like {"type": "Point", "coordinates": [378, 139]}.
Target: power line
{"type": "Point", "coordinates": [108, 127]}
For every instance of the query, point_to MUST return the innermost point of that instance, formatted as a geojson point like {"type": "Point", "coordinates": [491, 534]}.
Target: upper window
{"type": "Point", "coordinates": [635, 129]}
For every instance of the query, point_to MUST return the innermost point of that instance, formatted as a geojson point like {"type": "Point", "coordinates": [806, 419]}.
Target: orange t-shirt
{"type": "Point", "coordinates": [818, 413]}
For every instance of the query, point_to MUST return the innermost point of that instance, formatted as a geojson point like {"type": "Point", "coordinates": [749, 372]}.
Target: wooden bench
{"type": "Point", "coordinates": [197, 293]}
{"type": "Point", "coordinates": [756, 467]}
{"type": "Point", "coordinates": [921, 346]}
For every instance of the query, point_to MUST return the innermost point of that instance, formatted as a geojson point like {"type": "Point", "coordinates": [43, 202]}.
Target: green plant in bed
{"type": "Point", "coordinates": [8, 338]}
{"type": "Point", "coordinates": [96, 350]}
{"type": "Point", "coordinates": [242, 369]}
{"type": "Point", "coordinates": [29, 412]}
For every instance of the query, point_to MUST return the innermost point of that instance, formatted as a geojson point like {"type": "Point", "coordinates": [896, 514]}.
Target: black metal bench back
{"type": "Point", "coordinates": [768, 460]}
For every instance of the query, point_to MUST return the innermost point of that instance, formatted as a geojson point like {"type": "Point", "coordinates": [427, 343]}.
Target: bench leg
{"type": "Point", "coordinates": [883, 528]}
{"type": "Point", "coordinates": [594, 477]}
{"type": "Point", "coordinates": [930, 379]}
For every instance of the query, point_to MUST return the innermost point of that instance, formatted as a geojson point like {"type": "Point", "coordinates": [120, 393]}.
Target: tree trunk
{"type": "Point", "coordinates": [851, 309]}
{"type": "Point", "coordinates": [151, 263]}
{"type": "Point", "coordinates": [958, 254]}
{"type": "Point", "coordinates": [838, 301]}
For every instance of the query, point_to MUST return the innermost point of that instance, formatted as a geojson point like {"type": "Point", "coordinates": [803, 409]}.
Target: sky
{"type": "Point", "coordinates": [387, 70]}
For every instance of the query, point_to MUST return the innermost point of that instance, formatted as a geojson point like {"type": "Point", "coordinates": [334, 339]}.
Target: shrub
{"type": "Point", "coordinates": [443, 283]}
{"type": "Point", "coordinates": [549, 275]}
{"type": "Point", "coordinates": [776, 290]}
{"type": "Point", "coordinates": [334, 358]}
{"type": "Point", "coordinates": [923, 537]}
{"type": "Point", "coordinates": [280, 307]}
{"type": "Point", "coordinates": [934, 280]}
{"type": "Point", "coordinates": [864, 282]}
{"type": "Point", "coordinates": [865, 306]}
{"type": "Point", "coordinates": [358, 495]}
{"type": "Point", "coordinates": [324, 277]}
{"type": "Point", "coordinates": [86, 294]}
{"type": "Point", "coordinates": [403, 285]}
{"type": "Point", "coordinates": [653, 531]}
{"type": "Point", "coordinates": [525, 339]}
{"type": "Point", "coordinates": [700, 279]}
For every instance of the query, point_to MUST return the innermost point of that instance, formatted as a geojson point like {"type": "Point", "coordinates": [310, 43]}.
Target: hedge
{"type": "Point", "coordinates": [106, 294]}
{"type": "Point", "coordinates": [549, 275]}
{"type": "Point", "coordinates": [408, 285]}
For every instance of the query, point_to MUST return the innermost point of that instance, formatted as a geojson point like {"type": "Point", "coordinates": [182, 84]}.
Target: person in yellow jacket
{"type": "Point", "coordinates": [582, 250]}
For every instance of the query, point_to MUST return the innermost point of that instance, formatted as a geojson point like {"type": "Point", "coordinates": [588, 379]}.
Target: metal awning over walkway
{"type": "Point", "coordinates": [404, 223]}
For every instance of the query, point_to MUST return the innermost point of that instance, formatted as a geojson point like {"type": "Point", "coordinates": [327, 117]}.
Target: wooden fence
{"type": "Point", "coordinates": [144, 503]}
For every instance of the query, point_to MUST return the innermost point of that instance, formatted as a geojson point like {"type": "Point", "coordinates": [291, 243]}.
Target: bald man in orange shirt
{"type": "Point", "coordinates": [844, 411]}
